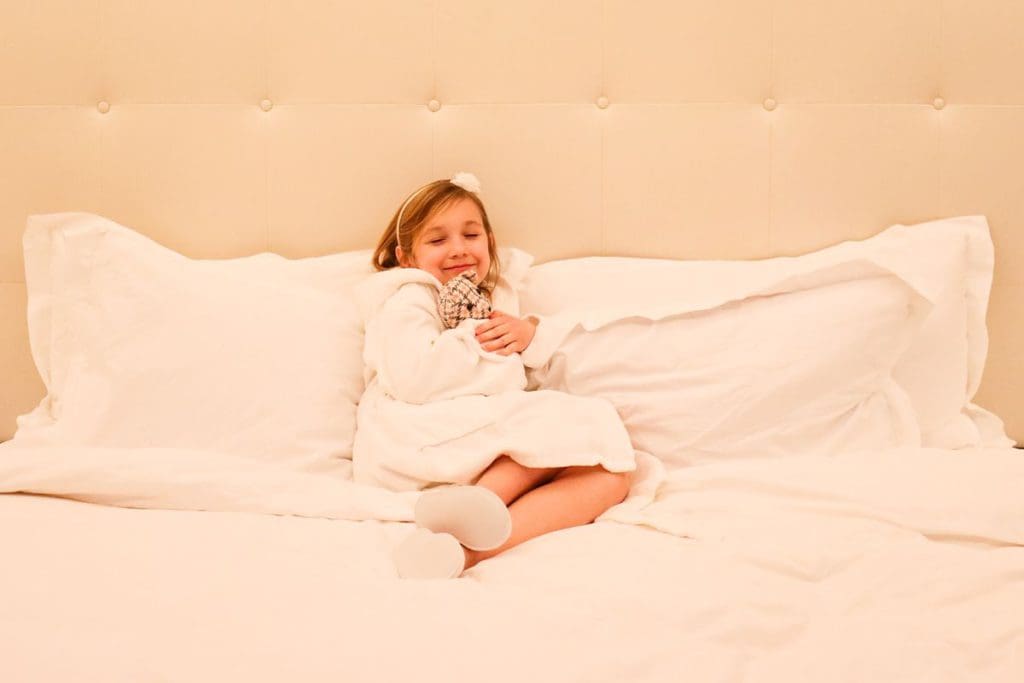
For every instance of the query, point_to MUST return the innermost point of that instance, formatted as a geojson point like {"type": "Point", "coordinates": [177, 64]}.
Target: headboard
{"type": "Point", "coordinates": [679, 128]}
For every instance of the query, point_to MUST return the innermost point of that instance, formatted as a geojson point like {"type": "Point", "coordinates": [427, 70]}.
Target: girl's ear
{"type": "Point", "coordinates": [402, 260]}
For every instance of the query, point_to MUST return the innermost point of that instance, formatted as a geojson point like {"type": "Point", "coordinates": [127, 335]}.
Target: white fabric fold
{"type": "Point", "coordinates": [771, 506]}
{"type": "Point", "coordinates": [795, 508]}
{"type": "Point", "coordinates": [188, 479]}
{"type": "Point", "coordinates": [803, 275]}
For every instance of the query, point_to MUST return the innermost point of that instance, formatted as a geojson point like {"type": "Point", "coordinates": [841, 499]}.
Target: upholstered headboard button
{"type": "Point", "coordinates": [602, 102]}
{"type": "Point", "coordinates": [938, 103]}
{"type": "Point", "coordinates": [266, 105]}
{"type": "Point", "coordinates": [103, 106]}
{"type": "Point", "coordinates": [770, 104]}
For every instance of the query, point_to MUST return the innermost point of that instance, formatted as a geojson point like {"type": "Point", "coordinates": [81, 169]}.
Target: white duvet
{"type": "Point", "coordinates": [898, 565]}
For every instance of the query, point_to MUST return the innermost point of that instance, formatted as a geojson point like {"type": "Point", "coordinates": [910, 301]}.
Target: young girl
{"type": "Point", "coordinates": [449, 406]}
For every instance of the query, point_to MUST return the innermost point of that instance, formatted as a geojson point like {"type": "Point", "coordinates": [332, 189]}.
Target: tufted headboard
{"type": "Point", "coordinates": [681, 128]}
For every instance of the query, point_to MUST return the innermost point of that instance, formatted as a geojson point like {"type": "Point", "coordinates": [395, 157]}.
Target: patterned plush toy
{"type": "Point", "coordinates": [461, 299]}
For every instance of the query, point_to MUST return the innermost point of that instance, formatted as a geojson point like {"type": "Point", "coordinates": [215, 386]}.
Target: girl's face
{"type": "Point", "coordinates": [453, 241]}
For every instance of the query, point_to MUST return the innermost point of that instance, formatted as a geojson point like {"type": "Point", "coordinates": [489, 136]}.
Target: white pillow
{"type": "Point", "coordinates": [948, 261]}
{"type": "Point", "coordinates": [139, 346]}
{"type": "Point", "coordinates": [804, 371]}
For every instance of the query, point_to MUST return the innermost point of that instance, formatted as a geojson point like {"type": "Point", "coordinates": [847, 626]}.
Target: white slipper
{"type": "Point", "coordinates": [426, 555]}
{"type": "Point", "coordinates": [475, 516]}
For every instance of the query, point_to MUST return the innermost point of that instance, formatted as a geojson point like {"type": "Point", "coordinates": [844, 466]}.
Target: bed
{"type": "Point", "coordinates": [814, 477]}
{"type": "Point", "coordinates": [784, 247]}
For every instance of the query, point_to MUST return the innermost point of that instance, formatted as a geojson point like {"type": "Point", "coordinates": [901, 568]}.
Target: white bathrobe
{"type": "Point", "coordinates": [440, 409]}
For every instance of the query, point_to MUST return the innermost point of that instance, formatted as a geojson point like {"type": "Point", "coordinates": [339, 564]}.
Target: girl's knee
{"type": "Point", "coordinates": [614, 486]}
{"type": "Point", "coordinates": [621, 483]}
{"type": "Point", "coordinates": [504, 460]}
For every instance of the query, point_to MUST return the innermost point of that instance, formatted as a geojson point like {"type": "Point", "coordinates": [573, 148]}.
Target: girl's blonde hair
{"type": "Point", "coordinates": [416, 212]}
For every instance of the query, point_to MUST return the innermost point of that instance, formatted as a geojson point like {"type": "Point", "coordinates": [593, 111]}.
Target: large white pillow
{"type": "Point", "coordinates": [806, 369]}
{"type": "Point", "coordinates": [140, 346]}
{"type": "Point", "coordinates": [949, 261]}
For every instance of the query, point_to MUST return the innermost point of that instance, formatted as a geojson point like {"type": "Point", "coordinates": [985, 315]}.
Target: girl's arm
{"type": "Point", "coordinates": [418, 361]}
{"type": "Point", "coordinates": [534, 338]}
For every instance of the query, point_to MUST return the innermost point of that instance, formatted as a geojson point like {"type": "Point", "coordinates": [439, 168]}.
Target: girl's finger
{"type": "Point", "coordinates": [490, 323]}
{"type": "Point", "coordinates": [483, 327]}
{"type": "Point", "coordinates": [497, 331]}
{"type": "Point", "coordinates": [498, 344]}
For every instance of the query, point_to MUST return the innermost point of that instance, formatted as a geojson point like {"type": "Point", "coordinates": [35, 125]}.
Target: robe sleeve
{"type": "Point", "coordinates": [417, 361]}
{"type": "Point", "coordinates": [551, 332]}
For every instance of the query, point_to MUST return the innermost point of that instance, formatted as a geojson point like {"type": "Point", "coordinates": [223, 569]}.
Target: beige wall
{"type": "Point", "coordinates": [734, 129]}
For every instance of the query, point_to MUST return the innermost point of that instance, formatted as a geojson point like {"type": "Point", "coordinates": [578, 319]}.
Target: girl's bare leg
{"type": "Point", "coordinates": [574, 496]}
{"type": "Point", "coordinates": [510, 480]}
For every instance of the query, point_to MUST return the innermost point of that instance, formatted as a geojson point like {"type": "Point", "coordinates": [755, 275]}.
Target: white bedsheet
{"type": "Point", "coordinates": [903, 565]}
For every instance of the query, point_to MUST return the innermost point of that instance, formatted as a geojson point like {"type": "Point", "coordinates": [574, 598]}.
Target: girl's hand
{"type": "Point", "coordinates": [505, 334]}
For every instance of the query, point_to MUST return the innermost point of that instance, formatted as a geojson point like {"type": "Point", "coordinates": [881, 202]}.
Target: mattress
{"type": "Point", "coordinates": [895, 565]}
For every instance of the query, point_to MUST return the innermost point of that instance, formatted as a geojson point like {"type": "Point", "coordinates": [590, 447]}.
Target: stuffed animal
{"type": "Point", "coordinates": [461, 299]}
